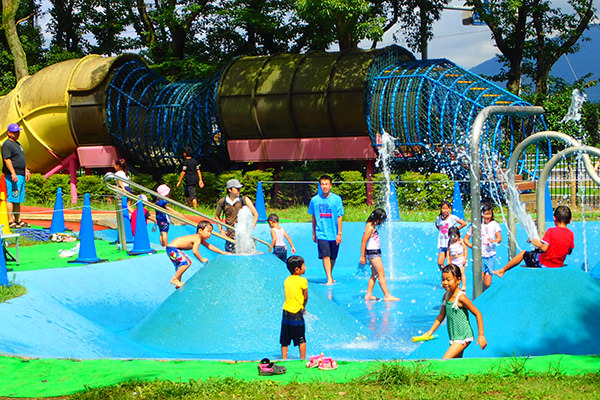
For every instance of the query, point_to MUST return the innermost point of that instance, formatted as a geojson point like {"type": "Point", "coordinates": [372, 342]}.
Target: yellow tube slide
{"type": "Point", "coordinates": [60, 108]}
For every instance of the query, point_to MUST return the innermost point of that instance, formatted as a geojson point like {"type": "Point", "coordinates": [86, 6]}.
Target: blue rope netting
{"type": "Point", "coordinates": [428, 108]}
{"type": "Point", "coordinates": [151, 120]}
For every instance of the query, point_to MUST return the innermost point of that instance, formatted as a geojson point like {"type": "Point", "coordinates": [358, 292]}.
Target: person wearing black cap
{"type": "Point", "coordinates": [230, 206]}
{"type": "Point", "coordinates": [15, 174]}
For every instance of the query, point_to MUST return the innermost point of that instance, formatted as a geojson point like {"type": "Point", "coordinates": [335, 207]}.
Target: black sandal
{"type": "Point", "coordinates": [13, 225]}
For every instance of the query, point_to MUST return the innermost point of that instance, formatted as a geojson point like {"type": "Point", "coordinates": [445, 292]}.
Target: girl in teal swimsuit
{"type": "Point", "coordinates": [456, 307]}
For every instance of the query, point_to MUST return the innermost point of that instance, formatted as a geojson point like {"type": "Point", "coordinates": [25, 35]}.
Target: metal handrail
{"type": "Point", "coordinates": [120, 192]}
{"type": "Point", "coordinates": [541, 185]}
{"type": "Point", "coordinates": [476, 131]}
{"type": "Point", "coordinates": [512, 167]}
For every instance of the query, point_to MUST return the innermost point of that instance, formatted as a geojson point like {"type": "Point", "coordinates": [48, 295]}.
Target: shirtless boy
{"type": "Point", "coordinates": [190, 242]}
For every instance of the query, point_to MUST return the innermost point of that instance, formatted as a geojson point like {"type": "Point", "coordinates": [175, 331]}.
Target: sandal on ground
{"type": "Point", "coordinates": [13, 225]}
{"type": "Point", "coordinates": [314, 361]}
{"type": "Point", "coordinates": [328, 364]}
{"type": "Point", "coordinates": [267, 368]}
{"type": "Point", "coordinates": [24, 224]}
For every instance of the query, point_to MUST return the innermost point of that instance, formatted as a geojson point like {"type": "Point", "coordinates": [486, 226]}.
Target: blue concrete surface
{"type": "Point", "coordinates": [112, 309]}
{"type": "Point", "coordinates": [533, 312]}
{"type": "Point", "coordinates": [234, 306]}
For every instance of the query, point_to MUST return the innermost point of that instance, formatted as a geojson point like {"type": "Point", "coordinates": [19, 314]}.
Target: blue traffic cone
{"type": "Point", "coordinates": [394, 213]}
{"type": "Point", "coordinates": [87, 246]}
{"type": "Point", "coordinates": [260, 203]}
{"type": "Point", "coordinates": [457, 205]}
{"type": "Point", "coordinates": [58, 216]}
{"type": "Point", "coordinates": [549, 211]}
{"type": "Point", "coordinates": [141, 242]}
{"type": "Point", "coordinates": [126, 221]}
{"type": "Point", "coordinates": [3, 271]}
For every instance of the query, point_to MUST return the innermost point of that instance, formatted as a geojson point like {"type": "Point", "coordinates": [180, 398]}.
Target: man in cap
{"type": "Point", "coordinates": [15, 174]}
{"type": "Point", "coordinates": [230, 206]}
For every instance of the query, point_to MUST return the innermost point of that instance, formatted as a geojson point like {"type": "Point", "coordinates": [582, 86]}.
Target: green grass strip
{"type": "Point", "coordinates": [53, 377]}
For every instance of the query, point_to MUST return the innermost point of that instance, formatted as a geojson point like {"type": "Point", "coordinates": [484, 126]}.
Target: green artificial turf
{"type": "Point", "coordinates": [45, 255]}
{"type": "Point", "coordinates": [53, 377]}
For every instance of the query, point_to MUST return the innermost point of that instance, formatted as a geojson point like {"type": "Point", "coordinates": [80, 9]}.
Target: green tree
{"type": "Point", "coordinates": [167, 27]}
{"type": "Point", "coordinates": [507, 20]}
{"type": "Point", "coordinates": [30, 41]}
{"type": "Point", "coordinates": [106, 20]}
{"type": "Point", "coordinates": [546, 47]}
{"type": "Point", "coordinates": [9, 25]}
{"type": "Point", "coordinates": [66, 24]}
{"type": "Point", "coordinates": [557, 104]}
{"type": "Point", "coordinates": [534, 32]}
{"type": "Point", "coordinates": [416, 18]}
{"type": "Point", "coordinates": [345, 22]}
{"type": "Point", "coordinates": [251, 27]}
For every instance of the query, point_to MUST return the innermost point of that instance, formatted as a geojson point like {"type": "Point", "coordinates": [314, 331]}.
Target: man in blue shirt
{"type": "Point", "coordinates": [327, 211]}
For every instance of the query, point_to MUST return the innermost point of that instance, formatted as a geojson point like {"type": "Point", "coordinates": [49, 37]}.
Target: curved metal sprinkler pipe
{"type": "Point", "coordinates": [512, 166]}
{"type": "Point", "coordinates": [541, 185]}
{"type": "Point", "coordinates": [475, 181]}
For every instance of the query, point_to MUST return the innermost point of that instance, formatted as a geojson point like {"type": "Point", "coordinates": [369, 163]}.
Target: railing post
{"type": "Point", "coordinates": [475, 181]}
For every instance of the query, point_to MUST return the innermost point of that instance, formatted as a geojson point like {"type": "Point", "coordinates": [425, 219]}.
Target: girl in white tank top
{"type": "Point", "coordinates": [457, 253]}
{"type": "Point", "coordinates": [370, 249]}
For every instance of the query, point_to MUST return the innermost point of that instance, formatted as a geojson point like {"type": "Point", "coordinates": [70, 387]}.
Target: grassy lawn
{"type": "Point", "coordinates": [390, 381]}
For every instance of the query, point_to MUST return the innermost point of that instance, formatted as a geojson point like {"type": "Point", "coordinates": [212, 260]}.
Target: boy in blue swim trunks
{"type": "Point", "coordinates": [190, 242]}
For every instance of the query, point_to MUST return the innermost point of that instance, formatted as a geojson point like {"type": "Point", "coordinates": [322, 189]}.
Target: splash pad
{"type": "Point", "coordinates": [231, 308]}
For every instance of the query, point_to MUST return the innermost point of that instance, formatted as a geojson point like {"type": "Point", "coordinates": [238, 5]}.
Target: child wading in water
{"type": "Point", "coordinates": [444, 222]}
{"type": "Point", "coordinates": [370, 249]}
{"type": "Point", "coordinates": [457, 254]}
{"type": "Point", "coordinates": [490, 237]}
{"type": "Point", "coordinates": [456, 306]}
{"type": "Point", "coordinates": [190, 242]}
{"type": "Point", "coordinates": [278, 236]}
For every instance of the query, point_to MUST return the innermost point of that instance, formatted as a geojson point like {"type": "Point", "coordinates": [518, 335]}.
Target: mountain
{"type": "Point", "coordinates": [586, 60]}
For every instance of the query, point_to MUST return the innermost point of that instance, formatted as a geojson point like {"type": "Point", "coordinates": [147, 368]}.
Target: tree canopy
{"type": "Point", "coordinates": [191, 38]}
{"type": "Point", "coordinates": [532, 35]}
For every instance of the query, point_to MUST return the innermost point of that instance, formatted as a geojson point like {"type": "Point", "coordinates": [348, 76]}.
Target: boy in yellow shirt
{"type": "Point", "coordinates": [296, 296]}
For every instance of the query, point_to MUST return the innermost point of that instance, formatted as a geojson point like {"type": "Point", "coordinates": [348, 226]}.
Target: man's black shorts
{"type": "Point", "coordinates": [327, 248]}
{"type": "Point", "coordinates": [190, 192]}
